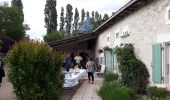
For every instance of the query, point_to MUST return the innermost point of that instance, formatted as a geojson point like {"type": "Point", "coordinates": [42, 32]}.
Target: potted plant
{"type": "Point", "coordinates": [100, 51]}
{"type": "Point", "coordinates": [106, 48]}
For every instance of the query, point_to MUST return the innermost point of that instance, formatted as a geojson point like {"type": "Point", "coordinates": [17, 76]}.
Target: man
{"type": "Point", "coordinates": [78, 58]}
{"type": "Point", "coordinates": [68, 62]}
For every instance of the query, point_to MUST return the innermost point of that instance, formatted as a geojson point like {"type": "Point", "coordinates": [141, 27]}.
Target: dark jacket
{"type": "Point", "coordinates": [2, 74]}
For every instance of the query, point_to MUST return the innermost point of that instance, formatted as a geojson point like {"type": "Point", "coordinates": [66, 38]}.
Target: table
{"type": "Point", "coordinates": [72, 79]}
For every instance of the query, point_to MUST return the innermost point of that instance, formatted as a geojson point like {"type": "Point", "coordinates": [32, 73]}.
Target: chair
{"type": "Point", "coordinates": [101, 72]}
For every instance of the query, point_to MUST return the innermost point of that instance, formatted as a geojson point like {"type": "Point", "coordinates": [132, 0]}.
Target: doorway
{"type": "Point", "coordinates": [167, 63]}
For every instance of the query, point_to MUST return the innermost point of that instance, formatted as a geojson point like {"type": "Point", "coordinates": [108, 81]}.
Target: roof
{"type": "Point", "coordinates": [122, 12]}
{"type": "Point", "coordinates": [131, 6]}
{"type": "Point", "coordinates": [82, 37]}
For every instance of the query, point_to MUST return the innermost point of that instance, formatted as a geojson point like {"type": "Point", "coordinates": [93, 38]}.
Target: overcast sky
{"type": "Point", "coordinates": [34, 11]}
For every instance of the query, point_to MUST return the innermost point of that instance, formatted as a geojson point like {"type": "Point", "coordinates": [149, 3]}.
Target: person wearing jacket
{"type": "Point", "coordinates": [2, 72]}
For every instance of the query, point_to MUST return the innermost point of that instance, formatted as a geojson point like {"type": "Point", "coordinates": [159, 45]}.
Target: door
{"type": "Point", "coordinates": [109, 60]}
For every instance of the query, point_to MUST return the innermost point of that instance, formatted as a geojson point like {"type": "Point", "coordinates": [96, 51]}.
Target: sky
{"type": "Point", "coordinates": [34, 11]}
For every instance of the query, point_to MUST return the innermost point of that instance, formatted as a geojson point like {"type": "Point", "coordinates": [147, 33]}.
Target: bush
{"type": "Point", "coordinates": [114, 91]}
{"type": "Point", "coordinates": [34, 71]}
{"type": "Point", "coordinates": [155, 92]}
{"type": "Point", "coordinates": [110, 77]}
{"type": "Point", "coordinates": [134, 73]}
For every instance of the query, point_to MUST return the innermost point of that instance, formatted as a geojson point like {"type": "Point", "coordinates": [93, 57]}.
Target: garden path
{"type": "Point", "coordinates": [88, 91]}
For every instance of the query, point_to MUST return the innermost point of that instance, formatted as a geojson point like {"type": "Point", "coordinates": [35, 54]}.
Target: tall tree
{"type": "Point", "coordinates": [69, 19]}
{"type": "Point", "coordinates": [97, 16]}
{"type": "Point", "coordinates": [62, 20]}
{"type": "Point", "coordinates": [19, 6]}
{"type": "Point", "coordinates": [87, 15]}
{"type": "Point", "coordinates": [106, 17]}
{"type": "Point", "coordinates": [50, 16]}
{"type": "Point", "coordinates": [92, 15]}
{"type": "Point", "coordinates": [82, 15]}
{"type": "Point", "coordinates": [76, 20]}
{"type": "Point", "coordinates": [100, 17]}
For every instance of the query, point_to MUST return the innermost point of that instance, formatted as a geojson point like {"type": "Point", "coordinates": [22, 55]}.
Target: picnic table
{"type": "Point", "coordinates": [71, 79]}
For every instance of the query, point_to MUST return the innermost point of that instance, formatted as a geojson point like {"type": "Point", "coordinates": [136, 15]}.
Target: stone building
{"type": "Point", "coordinates": [146, 25]}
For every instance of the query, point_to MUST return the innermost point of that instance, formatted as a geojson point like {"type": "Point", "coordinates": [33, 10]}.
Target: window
{"type": "Point", "coordinates": [108, 37]}
{"type": "Point", "coordinates": [117, 35]}
{"type": "Point", "coordinates": [167, 15]}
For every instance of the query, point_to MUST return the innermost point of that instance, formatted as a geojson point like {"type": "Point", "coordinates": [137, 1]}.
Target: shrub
{"type": "Point", "coordinates": [155, 92]}
{"type": "Point", "coordinates": [110, 77]}
{"type": "Point", "coordinates": [134, 73]}
{"type": "Point", "coordinates": [114, 91]}
{"type": "Point", "coordinates": [34, 71]}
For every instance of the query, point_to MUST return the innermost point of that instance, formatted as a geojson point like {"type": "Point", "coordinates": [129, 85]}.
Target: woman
{"type": "Point", "coordinates": [90, 70]}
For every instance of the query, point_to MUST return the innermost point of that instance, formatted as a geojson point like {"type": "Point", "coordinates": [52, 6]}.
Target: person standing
{"type": "Point", "coordinates": [68, 62]}
{"type": "Point", "coordinates": [2, 72]}
{"type": "Point", "coordinates": [78, 58]}
{"type": "Point", "coordinates": [90, 70]}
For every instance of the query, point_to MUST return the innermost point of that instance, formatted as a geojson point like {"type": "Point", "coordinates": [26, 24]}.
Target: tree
{"type": "Point", "coordinates": [76, 20]}
{"type": "Point", "coordinates": [69, 19]}
{"type": "Point", "coordinates": [18, 4]}
{"type": "Point", "coordinates": [50, 16]}
{"type": "Point", "coordinates": [87, 15]}
{"type": "Point", "coordinates": [100, 17]}
{"type": "Point", "coordinates": [97, 16]}
{"type": "Point", "coordinates": [106, 17]}
{"type": "Point", "coordinates": [62, 20]}
{"type": "Point", "coordinates": [54, 36]}
{"type": "Point", "coordinates": [92, 15]}
{"type": "Point", "coordinates": [11, 23]}
{"type": "Point", "coordinates": [82, 15]}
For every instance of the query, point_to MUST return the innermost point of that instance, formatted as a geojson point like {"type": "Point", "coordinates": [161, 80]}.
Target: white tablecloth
{"type": "Point", "coordinates": [71, 79]}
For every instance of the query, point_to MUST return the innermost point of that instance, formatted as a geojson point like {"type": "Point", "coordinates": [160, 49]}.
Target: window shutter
{"type": "Point", "coordinates": [113, 57]}
{"type": "Point", "coordinates": [157, 62]}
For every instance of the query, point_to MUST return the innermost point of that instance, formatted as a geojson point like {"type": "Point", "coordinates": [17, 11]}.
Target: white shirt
{"type": "Point", "coordinates": [78, 59]}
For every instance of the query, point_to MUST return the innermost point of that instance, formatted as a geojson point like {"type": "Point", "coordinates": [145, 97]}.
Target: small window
{"type": "Point", "coordinates": [169, 14]}
{"type": "Point", "coordinates": [117, 35]}
{"type": "Point", "coordinates": [108, 38]}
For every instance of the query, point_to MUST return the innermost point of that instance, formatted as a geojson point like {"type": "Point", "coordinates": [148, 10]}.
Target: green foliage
{"type": "Point", "coordinates": [87, 15]}
{"type": "Point", "coordinates": [50, 13]}
{"type": "Point", "coordinates": [35, 71]}
{"type": "Point", "coordinates": [105, 17]}
{"type": "Point", "coordinates": [155, 92]}
{"type": "Point", "coordinates": [19, 6]}
{"type": "Point", "coordinates": [82, 15]}
{"type": "Point", "coordinates": [76, 20]}
{"type": "Point", "coordinates": [96, 24]}
{"type": "Point", "coordinates": [114, 91]}
{"type": "Point", "coordinates": [111, 77]}
{"type": "Point", "coordinates": [134, 72]}
{"type": "Point", "coordinates": [69, 19]}
{"type": "Point", "coordinates": [62, 20]}
{"type": "Point", "coordinates": [11, 23]}
{"type": "Point", "coordinates": [54, 36]}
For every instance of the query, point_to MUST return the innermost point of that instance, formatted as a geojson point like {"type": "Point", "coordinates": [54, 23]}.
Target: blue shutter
{"type": "Point", "coordinates": [157, 62]}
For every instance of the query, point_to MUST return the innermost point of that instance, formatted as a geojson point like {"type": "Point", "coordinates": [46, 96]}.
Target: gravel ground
{"type": "Point", "coordinates": [6, 90]}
